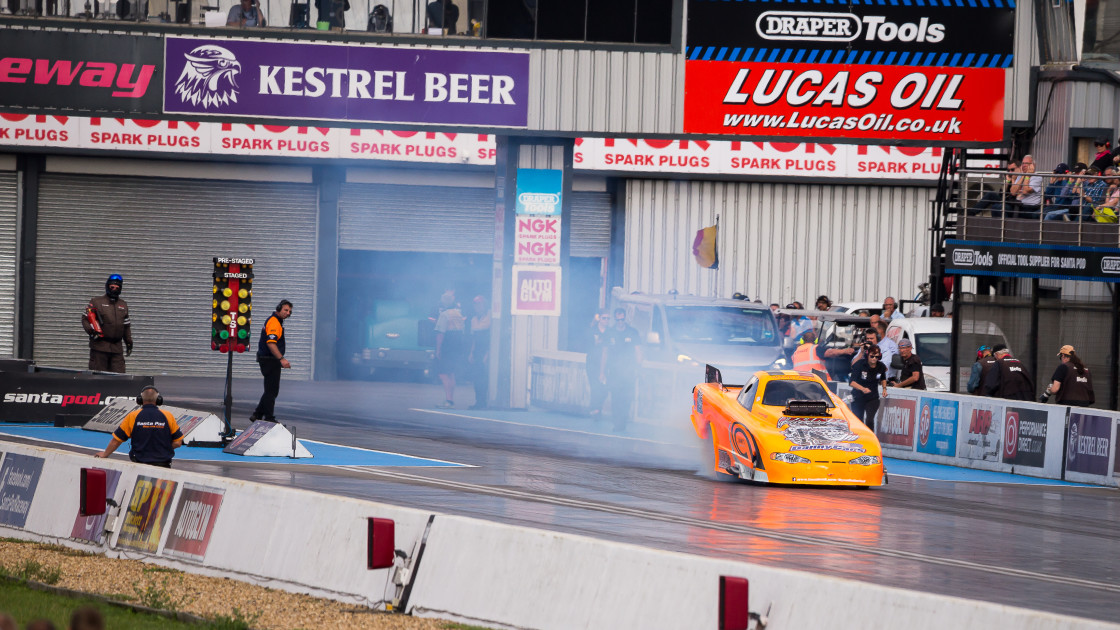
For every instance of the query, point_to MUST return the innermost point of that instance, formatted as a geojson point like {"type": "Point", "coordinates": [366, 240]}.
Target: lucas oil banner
{"type": "Point", "coordinates": [270, 79]}
{"type": "Point", "coordinates": [923, 72]}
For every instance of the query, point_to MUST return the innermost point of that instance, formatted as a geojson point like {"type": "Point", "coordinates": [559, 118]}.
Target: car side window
{"type": "Point", "coordinates": [747, 395]}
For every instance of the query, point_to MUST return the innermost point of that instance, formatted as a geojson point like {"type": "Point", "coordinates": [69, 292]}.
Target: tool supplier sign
{"type": "Point", "coordinates": [1022, 260]}
{"type": "Point", "coordinates": [268, 79]}
{"type": "Point", "coordinates": [902, 72]}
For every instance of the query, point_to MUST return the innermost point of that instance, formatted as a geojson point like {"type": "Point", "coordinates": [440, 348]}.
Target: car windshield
{"type": "Point", "coordinates": [933, 349]}
{"type": "Point", "coordinates": [779, 393]}
{"type": "Point", "coordinates": [723, 325]}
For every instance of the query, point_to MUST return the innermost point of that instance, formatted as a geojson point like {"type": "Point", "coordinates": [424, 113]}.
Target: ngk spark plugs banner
{"type": "Point", "coordinates": [267, 79]}
{"type": "Point", "coordinates": [926, 71]}
{"type": "Point", "coordinates": [80, 71]}
{"type": "Point", "coordinates": [777, 159]}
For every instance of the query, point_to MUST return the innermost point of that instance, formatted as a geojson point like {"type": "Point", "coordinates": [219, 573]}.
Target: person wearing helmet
{"type": "Point", "coordinates": [984, 363]}
{"type": "Point", "coordinates": [106, 322]}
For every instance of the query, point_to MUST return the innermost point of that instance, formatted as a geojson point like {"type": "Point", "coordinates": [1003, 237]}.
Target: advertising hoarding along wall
{"type": "Point", "coordinates": [270, 79]}
{"type": "Point", "coordinates": [1024, 260]}
{"type": "Point", "coordinates": [81, 71]}
{"type": "Point", "coordinates": [910, 73]}
{"type": "Point", "coordinates": [811, 161]}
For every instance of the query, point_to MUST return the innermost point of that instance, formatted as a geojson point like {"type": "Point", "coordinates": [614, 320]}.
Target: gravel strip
{"type": "Point", "coordinates": [199, 595]}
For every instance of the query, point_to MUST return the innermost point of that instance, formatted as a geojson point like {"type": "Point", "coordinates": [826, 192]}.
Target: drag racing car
{"type": "Point", "coordinates": [785, 427]}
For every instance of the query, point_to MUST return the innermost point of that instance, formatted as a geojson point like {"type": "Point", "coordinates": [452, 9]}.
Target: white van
{"type": "Point", "coordinates": [932, 339]}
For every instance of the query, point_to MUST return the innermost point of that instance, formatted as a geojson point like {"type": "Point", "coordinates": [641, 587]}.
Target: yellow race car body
{"type": "Point", "coordinates": [785, 427]}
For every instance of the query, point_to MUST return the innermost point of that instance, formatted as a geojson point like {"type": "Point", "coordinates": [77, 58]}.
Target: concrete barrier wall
{"type": "Point", "coordinates": [1024, 438]}
{"type": "Point", "coordinates": [474, 571]}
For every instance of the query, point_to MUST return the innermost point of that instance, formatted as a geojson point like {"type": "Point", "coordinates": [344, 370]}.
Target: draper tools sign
{"type": "Point", "coordinates": [923, 71]}
{"type": "Point", "coordinates": [265, 79]}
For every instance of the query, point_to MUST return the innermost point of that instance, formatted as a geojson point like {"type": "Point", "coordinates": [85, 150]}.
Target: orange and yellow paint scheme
{"type": "Point", "coordinates": [785, 427]}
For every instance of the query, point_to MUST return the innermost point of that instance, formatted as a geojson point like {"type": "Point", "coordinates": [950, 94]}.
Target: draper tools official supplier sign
{"type": "Point", "coordinates": [80, 71]}
{"type": "Point", "coordinates": [18, 479]}
{"type": "Point", "coordinates": [909, 72]}
{"type": "Point", "coordinates": [981, 258]}
{"type": "Point", "coordinates": [266, 79]}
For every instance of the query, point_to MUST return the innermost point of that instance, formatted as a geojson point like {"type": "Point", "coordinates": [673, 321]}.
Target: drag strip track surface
{"type": "Point", "coordinates": [1052, 548]}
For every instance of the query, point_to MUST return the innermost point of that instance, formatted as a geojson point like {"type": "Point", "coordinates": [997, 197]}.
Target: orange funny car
{"type": "Point", "coordinates": [785, 427]}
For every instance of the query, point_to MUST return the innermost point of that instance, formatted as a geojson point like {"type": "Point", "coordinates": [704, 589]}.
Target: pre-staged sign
{"type": "Point", "coordinates": [892, 103]}
{"type": "Point", "coordinates": [979, 258]}
{"type": "Point", "coordinates": [894, 424]}
{"type": "Point", "coordinates": [80, 71]}
{"type": "Point", "coordinates": [1024, 437]}
{"type": "Point", "coordinates": [909, 72]}
{"type": "Point", "coordinates": [268, 79]}
{"type": "Point", "coordinates": [1089, 440]}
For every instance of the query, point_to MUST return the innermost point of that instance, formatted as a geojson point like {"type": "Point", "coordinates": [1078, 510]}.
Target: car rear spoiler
{"type": "Point", "coordinates": [712, 375]}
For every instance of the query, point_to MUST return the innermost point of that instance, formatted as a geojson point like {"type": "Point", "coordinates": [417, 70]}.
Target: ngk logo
{"type": "Point", "coordinates": [844, 27]}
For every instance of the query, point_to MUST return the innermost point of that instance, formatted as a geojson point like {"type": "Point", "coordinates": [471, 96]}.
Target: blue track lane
{"type": "Point", "coordinates": [322, 454]}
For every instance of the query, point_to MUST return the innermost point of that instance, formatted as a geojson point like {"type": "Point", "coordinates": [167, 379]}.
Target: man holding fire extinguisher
{"type": "Point", "coordinates": [106, 322]}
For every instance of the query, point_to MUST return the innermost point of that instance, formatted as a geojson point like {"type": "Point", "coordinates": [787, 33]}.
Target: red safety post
{"type": "Point", "coordinates": [381, 543]}
{"type": "Point", "coordinates": [733, 610]}
{"type": "Point", "coordinates": [91, 492]}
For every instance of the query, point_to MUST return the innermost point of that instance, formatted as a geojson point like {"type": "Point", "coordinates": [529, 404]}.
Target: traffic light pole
{"type": "Point", "coordinates": [227, 432]}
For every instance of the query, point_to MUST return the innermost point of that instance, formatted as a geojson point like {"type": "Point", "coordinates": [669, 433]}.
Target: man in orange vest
{"type": "Point", "coordinates": [805, 357]}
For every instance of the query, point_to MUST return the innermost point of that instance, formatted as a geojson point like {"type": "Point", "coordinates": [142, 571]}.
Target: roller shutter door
{"type": "Point", "coordinates": [8, 213]}
{"type": "Point", "coordinates": [591, 224]}
{"type": "Point", "coordinates": [388, 217]}
{"type": "Point", "coordinates": [161, 235]}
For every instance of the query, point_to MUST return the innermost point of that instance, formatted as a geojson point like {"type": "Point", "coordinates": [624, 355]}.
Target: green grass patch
{"type": "Point", "coordinates": [26, 604]}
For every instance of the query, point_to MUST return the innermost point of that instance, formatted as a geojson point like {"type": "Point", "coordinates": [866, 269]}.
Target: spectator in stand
{"type": "Point", "coordinates": [1009, 378]}
{"type": "Point", "coordinates": [996, 200]}
{"type": "Point", "coordinates": [1071, 384]}
{"type": "Point", "coordinates": [774, 306]}
{"type": "Point", "coordinates": [1058, 197]}
{"type": "Point", "coordinates": [822, 304]}
{"type": "Point", "coordinates": [1029, 192]}
{"type": "Point", "coordinates": [910, 374]}
{"type": "Point", "coordinates": [247, 14]}
{"type": "Point", "coordinates": [1090, 192]}
{"type": "Point", "coordinates": [890, 310]}
{"type": "Point", "coordinates": [937, 310]}
{"type": "Point", "coordinates": [1105, 156]}
{"type": "Point", "coordinates": [1106, 212]}
{"type": "Point", "coordinates": [984, 363]}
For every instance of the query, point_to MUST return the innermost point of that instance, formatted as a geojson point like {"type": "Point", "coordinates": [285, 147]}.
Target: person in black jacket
{"type": "Point", "coordinates": [270, 356]}
{"type": "Point", "coordinates": [1071, 384]}
{"type": "Point", "coordinates": [1009, 378]}
{"type": "Point", "coordinates": [333, 12]}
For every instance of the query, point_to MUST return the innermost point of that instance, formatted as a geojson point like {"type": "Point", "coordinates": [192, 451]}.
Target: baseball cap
{"type": "Point", "coordinates": [793, 306]}
{"type": "Point", "coordinates": [1061, 169]}
{"type": "Point", "coordinates": [1066, 349]}
{"type": "Point", "coordinates": [905, 343]}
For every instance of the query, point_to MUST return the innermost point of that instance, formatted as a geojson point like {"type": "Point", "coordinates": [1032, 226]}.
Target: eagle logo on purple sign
{"type": "Point", "coordinates": [209, 77]}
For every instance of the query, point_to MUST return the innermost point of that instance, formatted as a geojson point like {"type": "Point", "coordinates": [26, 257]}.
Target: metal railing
{"type": "Point", "coordinates": [552, 20]}
{"type": "Point", "coordinates": [1072, 209]}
